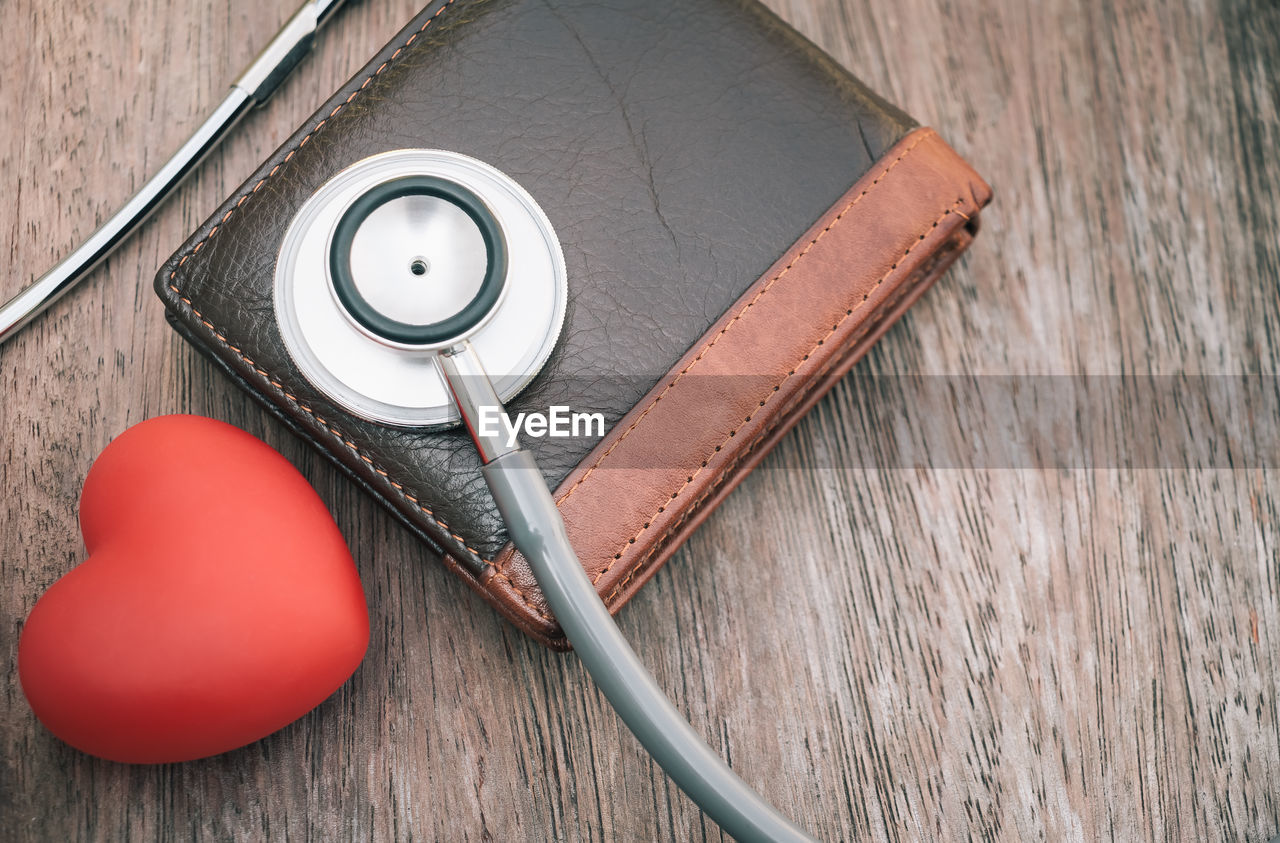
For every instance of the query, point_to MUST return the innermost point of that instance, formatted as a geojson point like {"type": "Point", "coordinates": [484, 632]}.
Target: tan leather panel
{"type": "Point", "coordinates": [729, 399]}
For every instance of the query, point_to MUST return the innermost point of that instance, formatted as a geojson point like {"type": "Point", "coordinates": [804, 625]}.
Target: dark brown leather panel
{"type": "Point", "coordinates": [677, 148]}
{"type": "Point", "coordinates": [715, 414]}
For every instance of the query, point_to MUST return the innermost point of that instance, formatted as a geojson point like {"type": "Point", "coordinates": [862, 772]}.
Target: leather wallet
{"type": "Point", "coordinates": [740, 218]}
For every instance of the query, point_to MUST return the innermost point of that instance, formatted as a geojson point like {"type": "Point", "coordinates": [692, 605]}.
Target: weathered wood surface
{"type": "Point", "coordinates": [889, 653]}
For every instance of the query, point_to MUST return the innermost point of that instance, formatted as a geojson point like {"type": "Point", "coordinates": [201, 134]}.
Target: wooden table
{"type": "Point", "coordinates": [997, 652]}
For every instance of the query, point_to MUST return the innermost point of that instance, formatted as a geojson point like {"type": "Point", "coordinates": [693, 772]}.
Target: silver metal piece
{"type": "Point", "coordinates": [418, 259]}
{"type": "Point", "coordinates": [283, 53]}
{"type": "Point", "coordinates": [399, 384]}
{"type": "Point", "coordinates": [254, 86]}
{"type": "Point", "coordinates": [473, 393]}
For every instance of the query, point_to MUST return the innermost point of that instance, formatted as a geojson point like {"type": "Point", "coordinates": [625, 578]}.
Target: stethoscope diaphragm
{"type": "Point", "coordinates": [407, 253]}
{"type": "Point", "coordinates": [418, 260]}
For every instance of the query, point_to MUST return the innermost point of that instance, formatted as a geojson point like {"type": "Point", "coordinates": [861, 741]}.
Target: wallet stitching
{"type": "Point", "coordinates": [333, 430]}
{"type": "Point", "coordinates": [727, 471]}
{"type": "Point", "coordinates": [954, 209]}
{"type": "Point", "coordinates": [763, 436]}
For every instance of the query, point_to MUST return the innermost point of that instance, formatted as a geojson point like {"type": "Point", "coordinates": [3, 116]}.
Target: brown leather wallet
{"type": "Point", "coordinates": [741, 219]}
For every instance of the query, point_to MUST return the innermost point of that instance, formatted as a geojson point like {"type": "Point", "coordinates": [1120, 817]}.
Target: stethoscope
{"type": "Point", "coordinates": [418, 288]}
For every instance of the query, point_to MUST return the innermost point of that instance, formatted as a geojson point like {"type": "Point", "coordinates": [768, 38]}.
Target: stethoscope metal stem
{"type": "Point", "coordinates": [253, 87]}
{"type": "Point", "coordinates": [474, 395]}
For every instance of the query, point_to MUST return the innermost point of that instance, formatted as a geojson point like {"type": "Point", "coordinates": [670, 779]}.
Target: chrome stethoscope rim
{"type": "Point", "coordinates": [378, 376]}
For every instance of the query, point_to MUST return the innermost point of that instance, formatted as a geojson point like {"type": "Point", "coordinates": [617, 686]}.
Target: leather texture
{"type": "Point", "coordinates": [679, 150]}
{"type": "Point", "coordinates": [754, 373]}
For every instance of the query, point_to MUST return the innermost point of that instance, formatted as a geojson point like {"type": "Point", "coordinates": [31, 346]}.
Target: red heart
{"type": "Point", "coordinates": [219, 601]}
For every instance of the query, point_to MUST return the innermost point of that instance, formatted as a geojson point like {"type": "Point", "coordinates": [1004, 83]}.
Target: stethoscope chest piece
{"type": "Point", "coordinates": [405, 254]}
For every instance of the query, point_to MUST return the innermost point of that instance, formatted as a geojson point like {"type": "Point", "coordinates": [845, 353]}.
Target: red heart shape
{"type": "Point", "coordinates": [219, 601]}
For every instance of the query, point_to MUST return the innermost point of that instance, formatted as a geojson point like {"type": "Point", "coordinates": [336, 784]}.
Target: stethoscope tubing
{"type": "Point", "coordinates": [538, 531]}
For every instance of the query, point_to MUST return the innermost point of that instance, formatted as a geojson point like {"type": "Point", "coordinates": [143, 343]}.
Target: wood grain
{"type": "Point", "coordinates": [892, 654]}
